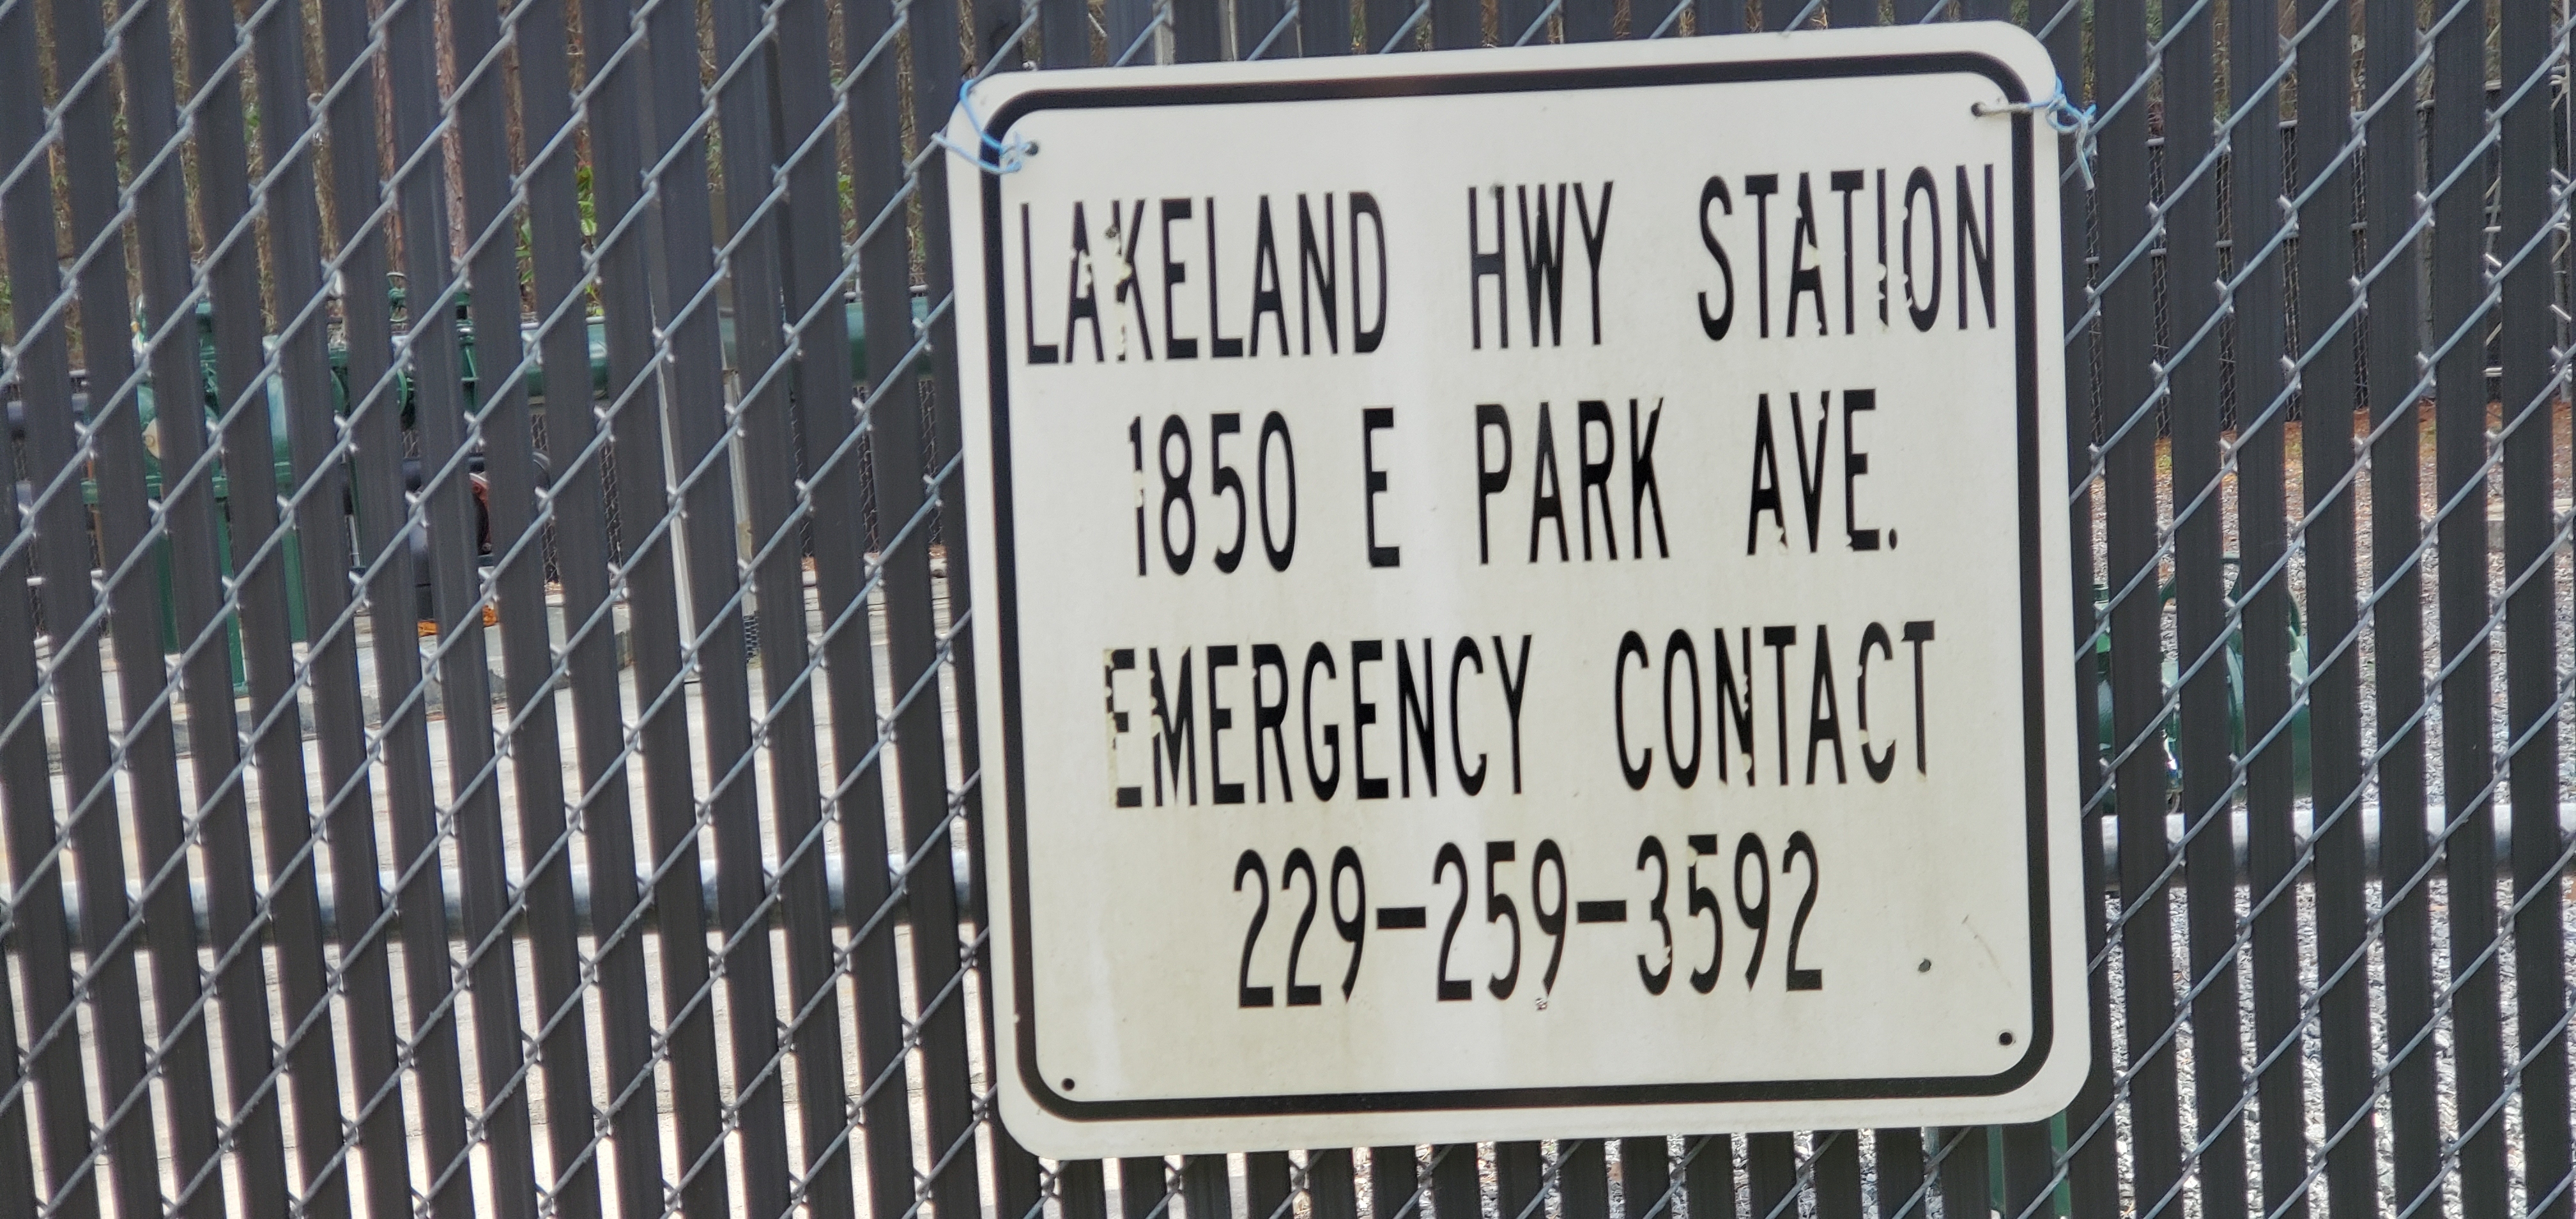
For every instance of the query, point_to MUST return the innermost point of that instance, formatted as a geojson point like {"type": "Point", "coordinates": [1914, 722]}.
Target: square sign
{"type": "Point", "coordinates": [1524, 593]}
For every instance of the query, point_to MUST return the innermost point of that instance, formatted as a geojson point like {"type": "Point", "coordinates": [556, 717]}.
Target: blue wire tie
{"type": "Point", "coordinates": [995, 156]}
{"type": "Point", "coordinates": [2063, 117]}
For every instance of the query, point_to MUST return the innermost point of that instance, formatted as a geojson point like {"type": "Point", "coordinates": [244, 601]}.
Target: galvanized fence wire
{"type": "Point", "coordinates": [724, 1056]}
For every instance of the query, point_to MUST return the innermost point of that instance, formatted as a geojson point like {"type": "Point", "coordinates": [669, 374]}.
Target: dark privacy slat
{"type": "Point", "coordinates": [811, 286]}
{"type": "Point", "coordinates": [2091, 1166]}
{"type": "Point", "coordinates": [2393, 332]}
{"type": "Point", "coordinates": [222, 196]}
{"type": "Point", "coordinates": [1645, 1175]}
{"type": "Point", "coordinates": [40, 935]}
{"type": "Point", "coordinates": [512, 462]}
{"type": "Point", "coordinates": [1836, 1176]}
{"type": "Point", "coordinates": [690, 353]}
{"type": "Point", "coordinates": [624, 294]}
{"type": "Point", "coordinates": [115, 450]}
{"type": "Point", "coordinates": [1457, 1185]}
{"type": "Point", "coordinates": [749, 142]}
{"type": "Point", "coordinates": [1898, 1156]}
{"type": "Point", "coordinates": [373, 487]}
{"type": "Point", "coordinates": [503, 437]}
{"type": "Point", "coordinates": [1198, 32]}
{"type": "Point", "coordinates": [2530, 531]}
{"type": "Point", "coordinates": [2256, 172]}
{"type": "Point", "coordinates": [1253, 22]}
{"type": "Point", "coordinates": [295, 267]}
{"type": "Point", "coordinates": [1324, 28]}
{"type": "Point", "coordinates": [2200, 583]}
{"type": "Point", "coordinates": [1141, 1185]}
{"type": "Point", "coordinates": [2029, 1176]}
{"type": "Point", "coordinates": [1331, 1186]}
{"type": "Point", "coordinates": [2458, 291]}
{"type": "Point", "coordinates": [444, 511]}
{"type": "Point", "coordinates": [1964, 1181]}
{"type": "Point", "coordinates": [1582, 1179]}
{"type": "Point", "coordinates": [1456, 23]}
{"type": "Point", "coordinates": [1394, 1177]}
{"type": "Point", "coordinates": [1771, 1173]}
{"type": "Point", "coordinates": [26, 789]}
{"type": "Point", "coordinates": [1519, 1177]}
{"type": "Point", "coordinates": [876, 140]}
{"type": "Point", "coordinates": [1266, 1186]}
{"type": "Point", "coordinates": [1206, 1186]}
{"type": "Point", "coordinates": [1708, 1176]}
{"type": "Point", "coordinates": [2334, 703]}
{"type": "Point", "coordinates": [160, 813]}
{"type": "Point", "coordinates": [2129, 492]}
{"type": "Point", "coordinates": [906, 456]}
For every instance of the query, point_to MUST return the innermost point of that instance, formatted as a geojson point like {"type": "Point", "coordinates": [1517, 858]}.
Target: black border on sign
{"type": "Point", "coordinates": [2034, 678]}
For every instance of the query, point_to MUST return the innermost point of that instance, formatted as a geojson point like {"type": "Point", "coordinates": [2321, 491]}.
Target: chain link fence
{"type": "Point", "coordinates": [488, 730]}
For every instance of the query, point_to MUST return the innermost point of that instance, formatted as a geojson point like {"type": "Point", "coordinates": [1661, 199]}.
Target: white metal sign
{"type": "Point", "coordinates": [1522, 593]}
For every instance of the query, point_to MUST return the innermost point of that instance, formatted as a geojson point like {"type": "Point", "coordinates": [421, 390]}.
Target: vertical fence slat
{"type": "Point", "coordinates": [515, 465]}
{"type": "Point", "coordinates": [1253, 22]}
{"type": "Point", "coordinates": [1963, 1180]}
{"type": "Point", "coordinates": [811, 278]}
{"type": "Point", "coordinates": [1458, 23]}
{"type": "Point", "coordinates": [126, 1138]}
{"type": "Point", "coordinates": [1331, 1186]}
{"type": "Point", "coordinates": [1582, 1179]}
{"type": "Point", "coordinates": [2202, 749]}
{"type": "Point", "coordinates": [1457, 1184]}
{"type": "Point", "coordinates": [689, 352]}
{"type": "Point", "coordinates": [266, 632]}
{"type": "Point", "coordinates": [2254, 218]}
{"type": "Point", "coordinates": [189, 550]}
{"type": "Point", "coordinates": [40, 934]}
{"type": "Point", "coordinates": [1394, 1177]}
{"type": "Point", "coordinates": [1837, 1174]}
{"type": "Point", "coordinates": [2128, 474]}
{"type": "Point", "coordinates": [1645, 1175]}
{"type": "Point", "coordinates": [1080, 1191]}
{"type": "Point", "coordinates": [2530, 392]}
{"type": "Point", "coordinates": [1141, 1185]}
{"type": "Point", "coordinates": [321, 541]}
{"type": "Point", "coordinates": [1198, 36]}
{"type": "Point", "coordinates": [581, 535]}
{"type": "Point", "coordinates": [1207, 1190]}
{"type": "Point", "coordinates": [1708, 1176]}
{"type": "Point", "coordinates": [2089, 1165]}
{"type": "Point", "coordinates": [440, 523]}
{"type": "Point", "coordinates": [1266, 1185]}
{"type": "Point", "coordinates": [905, 461]}
{"type": "Point", "coordinates": [749, 144]}
{"type": "Point", "coordinates": [374, 488]}
{"type": "Point", "coordinates": [186, 551]}
{"type": "Point", "coordinates": [26, 797]}
{"type": "Point", "coordinates": [2029, 1180]}
{"type": "Point", "coordinates": [501, 434]}
{"type": "Point", "coordinates": [1324, 27]}
{"type": "Point", "coordinates": [1519, 1177]}
{"type": "Point", "coordinates": [2394, 333]}
{"type": "Point", "coordinates": [43, 380]}
{"type": "Point", "coordinates": [1771, 1171]}
{"type": "Point", "coordinates": [2325, 384]}
{"type": "Point", "coordinates": [876, 141]}
{"type": "Point", "coordinates": [1898, 1155]}
{"type": "Point", "coordinates": [2461, 319]}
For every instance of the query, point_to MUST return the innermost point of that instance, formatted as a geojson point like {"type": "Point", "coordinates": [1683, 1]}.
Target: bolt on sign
{"type": "Point", "coordinates": [1524, 592]}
